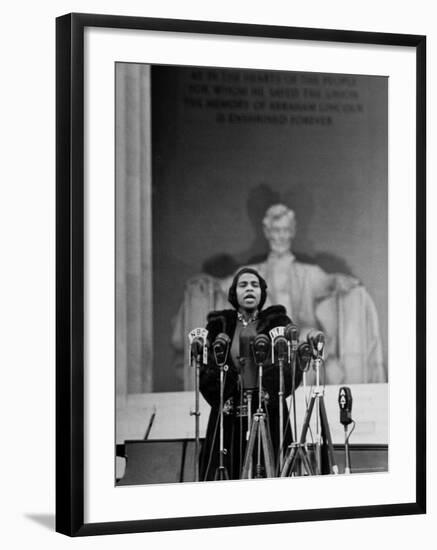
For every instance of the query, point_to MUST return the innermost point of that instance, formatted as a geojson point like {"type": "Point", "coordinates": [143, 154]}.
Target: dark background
{"type": "Point", "coordinates": [322, 150]}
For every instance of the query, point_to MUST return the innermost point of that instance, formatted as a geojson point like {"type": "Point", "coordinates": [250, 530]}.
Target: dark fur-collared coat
{"type": "Point", "coordinates": [235, 428]}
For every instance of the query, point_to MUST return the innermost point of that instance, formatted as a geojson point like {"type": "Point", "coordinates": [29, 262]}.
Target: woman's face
{"type": "Point", "coordinates": [248, 291]}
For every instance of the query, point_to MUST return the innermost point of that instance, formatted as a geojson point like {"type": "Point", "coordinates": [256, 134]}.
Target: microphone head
{"type": "Point", "coordinates": [304, 356]}
{"type": "Point", "coordinates": [291, 332]}
{"type": "Point", "coordinates": [198, 343]}
{"type": "Point", "coordinates": [280, 347]}
{"type": "Point", "coordinates": [197, 347]}
{"type": "Point", "coordinates": [316, 339]}
{"type": "Point", "coordinates": [261, 348]}
{"type": "Point", "coordinates": [345, 403]}
{"type": "Point", "coordinates": [220, 348]}
{"type": "Point", "coordinates": [222, 339]}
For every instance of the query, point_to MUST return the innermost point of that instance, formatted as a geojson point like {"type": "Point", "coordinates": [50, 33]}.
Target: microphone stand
{"type": "Point", "coordinates": [260, 387]}
{"type": "Point", "coordinates": [298, 450]}
{"type": "Point", "coordinates": [249, 419]}
{"type": "Point", "coordinates": [280, 351]}
{"type": "Point", "coordinates": [292, 337]}
{"type": "Point", "coordinates": [196, 359]}
{"type": "Point", "coordinates": [317, 365]}
{"type": "Point", "coordinates": [345, 402]}
{"type": "Point", "coordinates": [221, 472]}
{"type": "Point", "coordinates": [197, 338]}
{"type": "Point", "coordinates": [259, 433]}
{"type": "Point", "coordinates": [281, 411]}
{"type": "Point", "coordinates": [220, 350]}
{"type": "Point", "coordinates": [347, 468]}
{"type": "Point", "coordinates": [292, 347]}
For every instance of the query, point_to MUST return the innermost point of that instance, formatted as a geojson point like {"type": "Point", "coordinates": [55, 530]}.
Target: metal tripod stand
{"type": "Point", "coordinates": [259, 429]}
{"type": "Point", "coordinates": [299, 450]}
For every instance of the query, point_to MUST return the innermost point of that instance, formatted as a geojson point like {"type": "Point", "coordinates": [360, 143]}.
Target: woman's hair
{"type": "Point", "coordinates": [232, 294]}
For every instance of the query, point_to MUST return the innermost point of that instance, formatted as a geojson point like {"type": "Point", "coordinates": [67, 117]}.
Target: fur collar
{"type": "Point", "coordinates": [226, 320]}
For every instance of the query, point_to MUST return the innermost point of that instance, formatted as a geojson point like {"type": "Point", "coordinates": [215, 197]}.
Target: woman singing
{"type": "Point", "coordinates": [242, 324]}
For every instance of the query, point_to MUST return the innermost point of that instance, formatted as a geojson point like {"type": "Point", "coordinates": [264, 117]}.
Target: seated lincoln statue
{"type": "Point", "coordinates": [334, 303]}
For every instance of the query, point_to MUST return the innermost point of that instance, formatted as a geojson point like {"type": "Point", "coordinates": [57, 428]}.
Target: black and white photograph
{"type": "Point", "coordinates": [240, 274]}
{"type": "Point", "coordinates": [218, 251]}
{"type": "Point", "coordinates": [251, 274]}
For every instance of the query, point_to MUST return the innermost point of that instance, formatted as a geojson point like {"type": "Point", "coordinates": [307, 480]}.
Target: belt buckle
{"type": "Point", "coordinates": [228, 406]}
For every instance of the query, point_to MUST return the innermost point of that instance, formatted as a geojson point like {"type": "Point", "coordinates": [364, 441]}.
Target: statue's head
{"type": "Point", "coordinates": [279, 225]}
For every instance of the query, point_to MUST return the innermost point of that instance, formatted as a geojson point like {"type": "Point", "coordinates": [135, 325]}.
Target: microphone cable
{"type": "Point", "coordinates": [350, 433]}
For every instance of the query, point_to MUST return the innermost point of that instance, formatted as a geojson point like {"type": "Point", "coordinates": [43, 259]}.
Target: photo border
{"type": "Point", "coordinates": [70, 290]}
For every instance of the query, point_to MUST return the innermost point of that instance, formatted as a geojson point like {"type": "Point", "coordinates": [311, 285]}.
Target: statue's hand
{"type": "Point", "coordinates": [345, 283]}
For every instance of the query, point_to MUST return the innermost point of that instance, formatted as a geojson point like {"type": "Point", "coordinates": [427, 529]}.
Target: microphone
{"type": "Point", "coordinates": [345, 403]}
{"type": "Point", "coordinates": [220, 349]}
{"type": "Point", "coordinates": [304, 356]}
{"type": "Point", "coordinates": [280, 347]}
{"type": "Point", "coordinates": [316, 339]}
{"type": "Point", "coordinates": [198, 344]}
{"type": "Point", "coordinates": [279, 344]}
{"type": "Point", "coordinates": [197, 338]}
{"type": "Point", "coordinates": [197, 347]}
{"type": "Point", "coordinates": [292, 334]}
{"type": "Point", "coordinates": [261, 347]}
{"type": "Point", "coordinates": [280, 350]}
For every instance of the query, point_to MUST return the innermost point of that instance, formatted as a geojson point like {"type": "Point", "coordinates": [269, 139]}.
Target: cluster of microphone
{"type": "Point", "coordinates": [285, 349]}
{"type": "Point", "coordinates": [285, 342]}
{"type": "Point", "coordinates": [311, 349]}
{"type": "Point", "coordinates": [260, 347]}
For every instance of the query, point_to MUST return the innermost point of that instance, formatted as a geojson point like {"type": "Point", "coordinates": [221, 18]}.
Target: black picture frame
{"type": "Point", "coordinates": [70, 273]}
